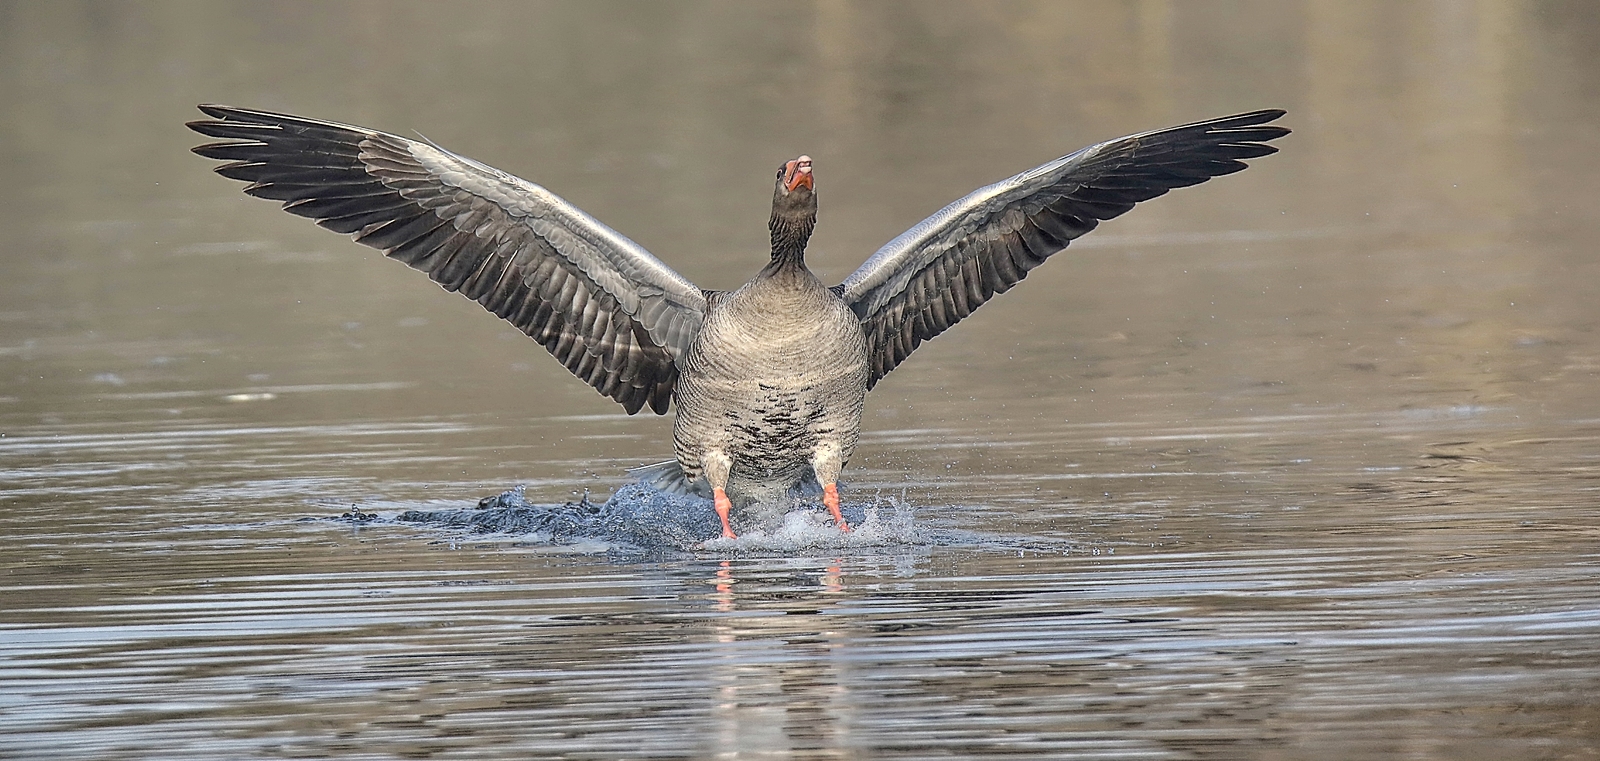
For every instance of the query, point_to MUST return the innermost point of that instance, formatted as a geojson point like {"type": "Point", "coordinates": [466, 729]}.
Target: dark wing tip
{"type": "Point", "coordinates": [1249, 117]}
{"type": "Point", "coordinates": [202, 125]}
{"type": "Point", "coordinates": [226, 123]}
{"type": "Point", "coordinates": [235, 113]}
{"type": "Point", "coordinates": [1252, 149]}
{"type": "Point", "coordinates": [224, 151]}
{"type": "Point", "coordinates": [1253, 125]}
{"type": "Point", "coordinates": [233, 129]}
{"type": "Point", "coordinates": [1250, 134]}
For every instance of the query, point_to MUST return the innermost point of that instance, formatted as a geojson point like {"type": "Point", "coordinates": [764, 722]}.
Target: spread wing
{"type": "Point", "coordinates": [614, 315]}
{"type": "Point", "coordinates": [949, 264]}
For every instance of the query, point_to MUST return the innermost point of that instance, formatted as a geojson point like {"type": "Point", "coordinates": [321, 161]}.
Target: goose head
{"type": "Point", "coordinates": [794, 210]}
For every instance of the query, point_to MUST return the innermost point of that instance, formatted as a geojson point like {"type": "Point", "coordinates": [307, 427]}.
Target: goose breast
{"type": "Point", "coordinates": [779, 369]}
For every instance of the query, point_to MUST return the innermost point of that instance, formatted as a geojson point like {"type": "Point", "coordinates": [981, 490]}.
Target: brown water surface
{"type": "Point", "coordinates": [1302, 463]}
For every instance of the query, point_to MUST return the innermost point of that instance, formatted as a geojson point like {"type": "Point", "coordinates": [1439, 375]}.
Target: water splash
{"type": "Point", "coordinates": [640, 518]}
{"type": "Point", "coordinates": [802, 529]}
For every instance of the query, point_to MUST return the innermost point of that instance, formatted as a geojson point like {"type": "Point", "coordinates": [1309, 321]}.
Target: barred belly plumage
{"type": "Point", "coordinates": [772, 395]}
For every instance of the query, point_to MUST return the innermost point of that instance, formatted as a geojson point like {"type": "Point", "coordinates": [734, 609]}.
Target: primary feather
{"type": "Point", "coordinates": [602, 305]}
{"type": "Point", "coordinates": [939, 271]}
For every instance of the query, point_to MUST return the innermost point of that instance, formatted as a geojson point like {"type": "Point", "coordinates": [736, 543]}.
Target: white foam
{"type": "Point", "coordinates": [802, 529]}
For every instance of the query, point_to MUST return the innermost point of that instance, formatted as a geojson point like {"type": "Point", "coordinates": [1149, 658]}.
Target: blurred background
{"type": "Point", "coordinates": [1335, 416]}
{"type": "Point", "coordinates": [1421, 241]}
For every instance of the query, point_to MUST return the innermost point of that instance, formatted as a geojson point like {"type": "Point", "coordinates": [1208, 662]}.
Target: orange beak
{"type": "Point", "coordinates": [797, 173]}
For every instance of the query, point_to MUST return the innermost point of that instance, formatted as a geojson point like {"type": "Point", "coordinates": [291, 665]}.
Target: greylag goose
{"type": "Point", "coordinates": [769, 379]}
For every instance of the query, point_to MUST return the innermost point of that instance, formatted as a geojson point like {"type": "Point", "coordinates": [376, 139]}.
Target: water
{"type": "Point", "coordinates": [1303, 463]}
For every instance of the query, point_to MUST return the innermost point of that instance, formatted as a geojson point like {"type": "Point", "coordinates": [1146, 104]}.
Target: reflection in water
{"type": "Point", "coordinates": [1297, 465]}
{"type": "Point", "coordinates": [776, 667]}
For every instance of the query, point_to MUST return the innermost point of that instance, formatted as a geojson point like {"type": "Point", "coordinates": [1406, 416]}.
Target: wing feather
{"type": "Point", "coordinates": [948, 265]}
{"type": "Point", "coordinates": [610, 312]}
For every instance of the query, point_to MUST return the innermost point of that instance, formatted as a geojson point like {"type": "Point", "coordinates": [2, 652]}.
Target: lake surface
{"type": "Point", "coordinates": [1301, 463]}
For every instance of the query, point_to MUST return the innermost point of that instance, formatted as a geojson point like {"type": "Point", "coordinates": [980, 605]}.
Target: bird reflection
{"type": "Point", "coordinates": [779, 662]}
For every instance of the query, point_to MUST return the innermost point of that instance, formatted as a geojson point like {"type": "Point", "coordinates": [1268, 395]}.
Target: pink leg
{"type": "Point", "coordinates": [724, 506]}
{"type": "Point", "coordinates": [830, 497]}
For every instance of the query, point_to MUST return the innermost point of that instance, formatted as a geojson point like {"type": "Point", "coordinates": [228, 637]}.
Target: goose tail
{"type": "Point", "coordinates": [669, 477]}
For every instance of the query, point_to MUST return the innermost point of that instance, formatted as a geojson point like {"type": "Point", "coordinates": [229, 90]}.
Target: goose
{"type": "Point", "coordinates": [769, 380]}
